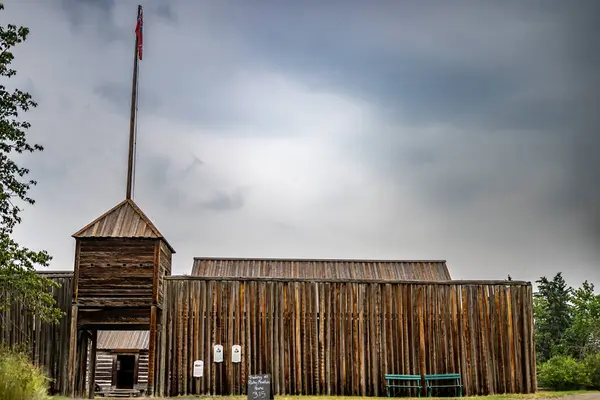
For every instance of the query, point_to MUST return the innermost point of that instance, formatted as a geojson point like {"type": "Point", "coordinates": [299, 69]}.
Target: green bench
{"type": "Point", "coordinates": [455, 378]}
{"type": "Point", "coordinates": [414, 382]}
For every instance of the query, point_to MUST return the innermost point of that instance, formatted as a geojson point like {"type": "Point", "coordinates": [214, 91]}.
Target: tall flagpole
{"type": "Point", "coordinates": [137, 54]}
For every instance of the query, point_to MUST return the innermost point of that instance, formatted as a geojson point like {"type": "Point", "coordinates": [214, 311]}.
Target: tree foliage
{"type": "Point", "coordinates": [563, 373]}
{"type": "Point", "coordinates": [567, 333]}
{"type": "Point", "coordinates": [581, 338]}
{"type": "Point", "coordinates": [552, 315]}
{"type": "Point", "coordinates": [18, 279]}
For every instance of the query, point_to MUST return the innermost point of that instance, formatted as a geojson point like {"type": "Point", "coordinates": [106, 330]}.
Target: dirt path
{"type": "Point", "coordinates": [585, 396]}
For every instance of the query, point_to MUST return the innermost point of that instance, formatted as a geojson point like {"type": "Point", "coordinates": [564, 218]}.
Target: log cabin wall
{"type": "Point", "coordinates": [104, 369]}
{"type": "Point", "coordinates": [47, 344]}
{"type": "Point", "coordinates": [105, 362]}
{"type": "Point", "coordinates": [115, 272]}
{"type": "Point", "coordinates": [113, 343]}
{"type": "Point", "coordinates": [332, 337]}
{"type": "Point", "coordinates": [120, 260]}
{"type": "Point", "coordinates": [142, 374]}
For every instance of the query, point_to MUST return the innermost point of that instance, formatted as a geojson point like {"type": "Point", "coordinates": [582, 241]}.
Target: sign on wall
{"type": "Point", "coordinates": [198, 369]}
{"type": "Point", "coordinates": [236, 353]}
{"type": "Point", "coordinates": [218, 354]}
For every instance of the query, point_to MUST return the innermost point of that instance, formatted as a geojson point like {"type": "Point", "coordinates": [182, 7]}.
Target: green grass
{"type": "Point", "coordinates": [538, 395]}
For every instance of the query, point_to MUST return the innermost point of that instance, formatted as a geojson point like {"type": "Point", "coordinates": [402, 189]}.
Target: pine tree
{"type": "Point", "coordinates": [552, 316]}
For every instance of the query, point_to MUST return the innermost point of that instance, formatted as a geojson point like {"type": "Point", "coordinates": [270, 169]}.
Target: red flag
{"type": "Point", "coordinates": [139, 31]}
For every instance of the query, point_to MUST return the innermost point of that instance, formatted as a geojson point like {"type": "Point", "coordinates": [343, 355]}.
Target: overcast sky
{"type": "Point", "coordinates": [464, 131]}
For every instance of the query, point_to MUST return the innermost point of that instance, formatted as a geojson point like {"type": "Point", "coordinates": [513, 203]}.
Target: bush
{"type": "Point", "coordinates": [592, 368]}
{"type": "Point", "coordinates": [563, 373]}
{"type": "Point", "coordinates": [20, 379]}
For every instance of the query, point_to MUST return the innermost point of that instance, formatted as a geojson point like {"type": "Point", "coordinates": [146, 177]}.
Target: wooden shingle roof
{"type": "Point", "coordinates": [387, 270]}
{"type": "Point", "coordinates": [120, 340]}
{"type": "Point", "coordinates": [125, 220]}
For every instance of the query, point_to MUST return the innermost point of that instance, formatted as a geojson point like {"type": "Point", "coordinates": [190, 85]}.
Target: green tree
{"type": "Point", "coordinates": [18, 279]}
{"type": "Point", "coordinates": [552, 312]}
{"type": "Point", "coordinates": [582, 336]}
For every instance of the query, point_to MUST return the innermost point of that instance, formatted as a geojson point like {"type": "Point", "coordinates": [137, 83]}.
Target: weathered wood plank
{"type": "Point", "coordinates": [117, 271]}
{"type": "Point", "coordinates": [73, 351]}
{"type": "Point", "coordinates": [152, 350]}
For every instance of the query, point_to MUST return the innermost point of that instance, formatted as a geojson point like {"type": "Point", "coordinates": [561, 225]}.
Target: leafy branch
{"type": "Point", "coordinates": [19, 281]}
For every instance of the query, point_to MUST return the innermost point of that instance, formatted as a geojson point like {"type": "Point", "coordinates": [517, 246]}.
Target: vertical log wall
{"type": "Point", "coordinates": [48, 344]}
{"type": "Point", "coordinates": [341, 337]}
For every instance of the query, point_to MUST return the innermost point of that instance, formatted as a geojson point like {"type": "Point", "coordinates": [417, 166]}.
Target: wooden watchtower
{"type": "Point", "coordinates": [121, 260]}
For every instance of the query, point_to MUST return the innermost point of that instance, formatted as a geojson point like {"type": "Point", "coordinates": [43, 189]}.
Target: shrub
{"type": "Point", "coordinates": [20, 379]}
{"type": "Point", "coordinates": [563, 373]}
{"type": "Point", "coordinates": [592, 368]}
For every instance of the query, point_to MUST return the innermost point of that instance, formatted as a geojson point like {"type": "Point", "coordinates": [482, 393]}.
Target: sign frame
{"type": "Point", "coordinates": [198, 369]}
{"type": "Point", "coordinates": [236, 353]}
{"type": "Point", "coordinates": [218, 353]}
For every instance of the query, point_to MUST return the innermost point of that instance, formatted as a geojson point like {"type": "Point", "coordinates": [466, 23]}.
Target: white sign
{"type": "Point", "coordinates": [218, 356]}
{"type": "Point", "coordinates": [198, 369]}
{"type": "Point", "coordinates": [236, 353]}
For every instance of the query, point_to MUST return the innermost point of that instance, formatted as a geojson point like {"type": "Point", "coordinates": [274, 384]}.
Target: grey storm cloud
{"type": "Point", "coordinates": [528, 71]}
{"type": "Point", "coordinates": [465, 131]}
{"type": "Point", "coordinates": [225, 201]}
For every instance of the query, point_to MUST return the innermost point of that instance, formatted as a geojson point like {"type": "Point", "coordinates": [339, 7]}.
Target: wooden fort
{"type": "Point", "coordinates": [330, 327]}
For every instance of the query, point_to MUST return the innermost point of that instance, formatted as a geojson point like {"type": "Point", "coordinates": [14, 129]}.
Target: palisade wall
{"type": "Point", "coordinates": [47, 343]}
{"type": "Point", "coordinates": [337, 337]}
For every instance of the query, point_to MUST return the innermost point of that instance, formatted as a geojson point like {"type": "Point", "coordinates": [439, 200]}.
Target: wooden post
{"type": "Point", "coordinates": [92, 366]}
{"type": "Point", "coordinates": [156, 276]}
{"type": "Point", "coordinates": [130, 159]}
{"type": "Point", "coordinates": [152, 351]}
{"type": "Point", "coordinates": [81, 371]}
{"type": "Point", "coordinates": [532, 359]}
{"type": "Point", "coordinates": [422, 338]}
{"type": "Point", "coordinates": [136, 369]}
{"type": "Point", "coordinates": [73, 350]}
{"type": "Point", "coordinates": [113, 379]}
{"type": "Point", "coordinates": [163, 347]}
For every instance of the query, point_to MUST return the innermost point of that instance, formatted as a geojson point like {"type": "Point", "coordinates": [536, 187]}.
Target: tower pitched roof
{"type": "Point", "coordinates": [125, 220]}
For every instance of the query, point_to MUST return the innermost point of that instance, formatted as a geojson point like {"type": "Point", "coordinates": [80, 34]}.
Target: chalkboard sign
{"type": "Point", "coordinates": [259, 387]}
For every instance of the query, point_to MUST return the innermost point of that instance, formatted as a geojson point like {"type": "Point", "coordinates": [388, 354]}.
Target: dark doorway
{"type": "Point", "coordinates": [125, 371]}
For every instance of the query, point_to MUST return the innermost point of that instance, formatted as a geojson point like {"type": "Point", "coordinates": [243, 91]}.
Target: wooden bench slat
{"type": "Point", "coordinates": [394, 376]}
{"type": "Point", "coordinates": [442, 376]}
